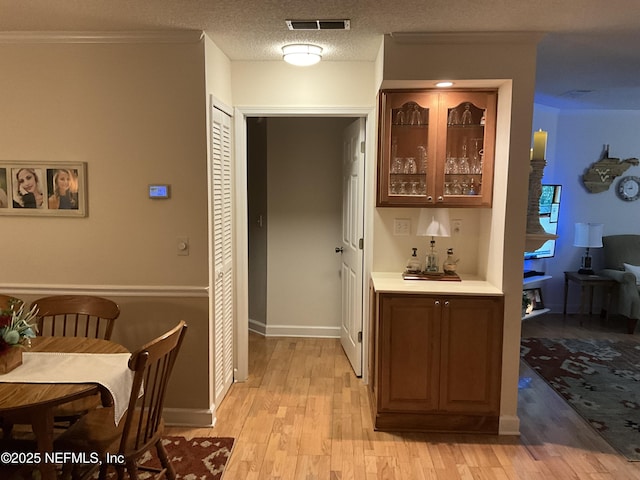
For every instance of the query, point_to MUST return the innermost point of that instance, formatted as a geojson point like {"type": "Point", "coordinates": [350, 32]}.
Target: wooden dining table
{"type": "Point", "coordinates": [34, 403]}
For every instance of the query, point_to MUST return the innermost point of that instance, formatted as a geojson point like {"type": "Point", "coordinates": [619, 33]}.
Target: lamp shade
{"type": "Point", "coordinates": [434, 222]}
{"type": "Point", "coordinates": [588, 235]}
{"type": "Point", "coordinates": [302, 54]}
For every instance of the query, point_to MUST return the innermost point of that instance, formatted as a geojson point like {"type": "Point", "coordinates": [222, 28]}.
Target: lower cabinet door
{"type": "Point", "coordinates": [471, 354]}
{"type": "Point", "coordinates": [409, 362]}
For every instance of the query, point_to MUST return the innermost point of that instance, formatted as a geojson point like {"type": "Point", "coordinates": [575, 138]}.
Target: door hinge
{"type": "Point", "coordinates": [359, 337]}
{"type": "Point", "coordinates": [362, 147]}
{"type": "Point", "coordinates": [361, 244]}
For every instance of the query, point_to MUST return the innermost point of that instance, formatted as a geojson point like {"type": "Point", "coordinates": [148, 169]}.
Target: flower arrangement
{"type": "Point", "coordinates": [17, 327]}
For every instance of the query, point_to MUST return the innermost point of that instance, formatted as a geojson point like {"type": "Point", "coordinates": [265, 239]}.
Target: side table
{"type": "Point", "coordinates": [587, 284]}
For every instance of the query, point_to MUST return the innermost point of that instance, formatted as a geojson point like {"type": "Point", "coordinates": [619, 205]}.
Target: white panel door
{"type": "Point", "coordinates": [222, 252]}
{"type": "Point", "coordinates": [352, 234]}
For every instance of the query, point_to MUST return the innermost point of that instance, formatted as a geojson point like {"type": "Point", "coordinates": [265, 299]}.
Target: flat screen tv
{"type": "Point", "coordinates": [548, 210]}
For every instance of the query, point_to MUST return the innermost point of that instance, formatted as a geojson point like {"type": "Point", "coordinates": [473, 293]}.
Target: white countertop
{"type": "Point", "coordinates": [392, 282]}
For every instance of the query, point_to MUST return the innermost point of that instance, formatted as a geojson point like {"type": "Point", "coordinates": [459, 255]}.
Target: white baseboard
{"type": "Point", "coordinates": [257, 327]}
{"type": "Point", "coordinates": [293, 330]}
{"type": "Point", "coordinates": [509, 425]}
{"type": "Point", "coordinates": [189, 417]}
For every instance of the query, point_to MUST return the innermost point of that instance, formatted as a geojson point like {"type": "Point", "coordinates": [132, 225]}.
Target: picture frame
{"type": "Point", "coordinates": [43, 188]}
{"type": "Point", "coordinates": [535, 296]}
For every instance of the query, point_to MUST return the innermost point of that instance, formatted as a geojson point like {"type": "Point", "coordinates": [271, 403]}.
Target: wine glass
{"type": "Point", "coordinates": [467, 118]}
{"type": "Point", "coordinates": [410, 166]}
{"type": "Point", "coordinates": [415, 116]}
{"type": "Point", "coordinates": [422, 162]}
{"type": "Point", "coordinates": [454, 117]}
{"type": "Point", "coordinates": [397, 165]}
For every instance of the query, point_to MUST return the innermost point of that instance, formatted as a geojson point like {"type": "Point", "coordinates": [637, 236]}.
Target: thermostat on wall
{"type": "Point", "coordinates": [159, 191]}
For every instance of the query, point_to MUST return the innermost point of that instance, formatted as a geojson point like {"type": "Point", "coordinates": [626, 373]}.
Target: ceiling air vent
{"type": "Point", "coordinates": [318, 24]}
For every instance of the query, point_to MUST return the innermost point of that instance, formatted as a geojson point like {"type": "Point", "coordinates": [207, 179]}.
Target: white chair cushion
{"type": "Point", "coordinates": [633, 269]}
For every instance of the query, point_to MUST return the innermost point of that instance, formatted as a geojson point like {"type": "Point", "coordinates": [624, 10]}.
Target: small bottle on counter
{"type": "Point", "coordinates": [413, 264]}
{"type": "Point", "coordinates": [450, 264]}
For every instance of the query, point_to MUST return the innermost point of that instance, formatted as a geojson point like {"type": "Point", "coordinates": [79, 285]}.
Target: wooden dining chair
{"type": "Point", "coordinates": [76, 316]}
{"type": "Point", "coordinates": [141, 428]}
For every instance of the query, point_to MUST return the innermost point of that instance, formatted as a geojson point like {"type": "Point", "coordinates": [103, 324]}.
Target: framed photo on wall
{"type": "Point", "coordinates": [43, 188]}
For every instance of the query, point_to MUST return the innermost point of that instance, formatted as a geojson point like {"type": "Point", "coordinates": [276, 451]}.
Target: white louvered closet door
{"type": "Point", "coordinates": [222, 252]}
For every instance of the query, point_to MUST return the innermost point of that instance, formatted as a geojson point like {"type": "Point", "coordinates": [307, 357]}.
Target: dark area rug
{"type": "Point", "coordinates": [600, 379]}
{"type": "Point", "coordinates": [201, 458]}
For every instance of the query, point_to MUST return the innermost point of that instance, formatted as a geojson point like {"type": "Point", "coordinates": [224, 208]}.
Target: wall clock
{"type": "Point", "coordinates": [629, 188]}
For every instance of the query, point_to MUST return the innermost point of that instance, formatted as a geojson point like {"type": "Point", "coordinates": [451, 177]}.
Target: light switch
{"type": "Point", "coordinates": [183, 246]}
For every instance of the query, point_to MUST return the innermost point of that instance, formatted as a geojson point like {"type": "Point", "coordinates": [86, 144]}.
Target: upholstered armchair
{"type": "Point", "coordinates": [618, 250]}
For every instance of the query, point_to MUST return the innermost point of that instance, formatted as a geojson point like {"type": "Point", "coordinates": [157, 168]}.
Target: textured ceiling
{"type": "Point", "coordinates": [588, 59]}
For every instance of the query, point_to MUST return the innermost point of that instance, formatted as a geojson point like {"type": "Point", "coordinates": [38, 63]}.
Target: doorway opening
{"type": "Point", "coordinates": [294, 209]}
{"type": "Point", "coordinates": [294, 205]}
{"type": "Point", "coordinates": [241, 300]}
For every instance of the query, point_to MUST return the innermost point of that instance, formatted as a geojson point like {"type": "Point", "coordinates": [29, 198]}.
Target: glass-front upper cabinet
{"type": "Point", "coordinates": [436, 148]}
{"type": "Point", "coordinates": [407, 140]}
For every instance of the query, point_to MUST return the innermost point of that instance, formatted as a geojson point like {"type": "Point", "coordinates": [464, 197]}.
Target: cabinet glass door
{"type": "Point", "coordinates": [409, 150]}
{"type": "Point", "coordinates": [466, 142]}
{"type": "Point", "coordinates": [407, 136]}
{"type": "Point", "coordinates": [464, 160]}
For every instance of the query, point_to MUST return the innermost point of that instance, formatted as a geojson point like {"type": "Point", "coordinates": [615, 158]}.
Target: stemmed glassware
{"type": "Point", "coordinates": [478, 151]}
{"type": "Point", "coordinates": [410, 166]}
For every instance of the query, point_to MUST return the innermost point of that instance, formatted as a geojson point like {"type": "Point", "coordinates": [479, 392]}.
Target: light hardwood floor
{"type": "Point", "coordinates": [304, 415]}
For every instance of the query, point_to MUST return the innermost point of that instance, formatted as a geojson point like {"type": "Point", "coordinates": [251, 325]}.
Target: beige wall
{"type": "Point", "coordinates": [218, 72]}
{"type": "Point", "coordinates": [392, 251]}
{"type": "Point", "coordinates": [327, 84]}
{"type": "Point", "coordinates": [135, 113]}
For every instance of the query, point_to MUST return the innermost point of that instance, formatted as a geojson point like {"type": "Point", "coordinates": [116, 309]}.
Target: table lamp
{"type": "Point", "coordinates": [433, 222]}
{"type": "Point", "coordinates": [588, 235]}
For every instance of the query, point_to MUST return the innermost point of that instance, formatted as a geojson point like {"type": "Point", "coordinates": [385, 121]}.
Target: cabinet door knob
{"type": "Point", "coordinates": [437, 302]}
{"type": "Point", "coordinates": [440, 198]}
{"type": "Point", "coordinates": [446, 304]}
{"type": "Point", "coordinates": [430, 198]}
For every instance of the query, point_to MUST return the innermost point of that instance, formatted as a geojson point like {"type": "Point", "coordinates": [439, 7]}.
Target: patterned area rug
{"type": "Point", "coordinates": [600, 379]}
{"type": "Point", "coordinates": [201, 458]}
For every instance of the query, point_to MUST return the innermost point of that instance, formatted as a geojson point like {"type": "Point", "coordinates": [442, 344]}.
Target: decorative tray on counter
{"type": "Point", "coordinates": [451, 277]}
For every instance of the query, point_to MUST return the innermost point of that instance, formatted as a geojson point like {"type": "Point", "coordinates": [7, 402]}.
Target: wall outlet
{"type": "Point", "coordinates": [456, 227]}
{"type": "Point", "coordinates": [401, 226]}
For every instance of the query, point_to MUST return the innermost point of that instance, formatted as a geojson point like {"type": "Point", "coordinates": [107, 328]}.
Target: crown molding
{"type": "Point", "coordinates": [465, 37]}
{"type": "Point", "coordinates": [159, 36]}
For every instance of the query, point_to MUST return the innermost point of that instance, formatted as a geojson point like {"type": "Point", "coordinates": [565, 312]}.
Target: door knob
{"type": "Point", "coordinates": [339, 249]}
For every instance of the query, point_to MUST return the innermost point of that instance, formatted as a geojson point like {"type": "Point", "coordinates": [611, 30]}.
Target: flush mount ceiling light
{"type": "Point", "coordinates": [302, 54]}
